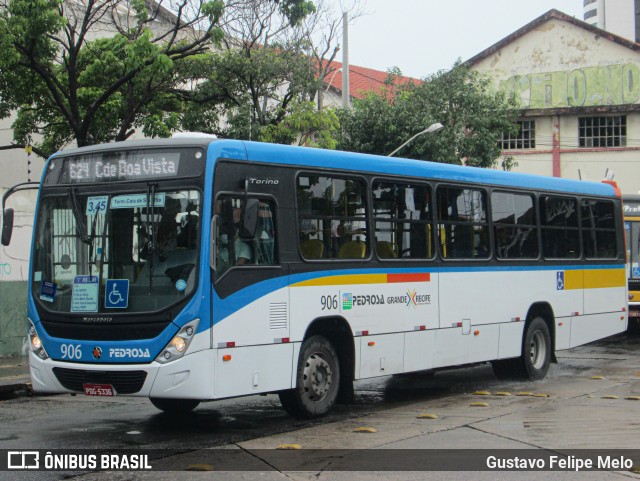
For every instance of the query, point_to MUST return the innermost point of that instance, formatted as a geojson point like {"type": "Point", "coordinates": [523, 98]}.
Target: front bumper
{"type": "Point", "coordinates": [190, 377]}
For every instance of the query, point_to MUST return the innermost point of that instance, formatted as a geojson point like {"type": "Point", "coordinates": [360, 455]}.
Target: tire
{"type": "Point", "coordinates": [633, 327]}
{"type": "Point", "coordinates": [534, 362]}
{"type": "Point", "coordinates": [317, 380]}
{"type": "Point", "coordinates": [174, 406]}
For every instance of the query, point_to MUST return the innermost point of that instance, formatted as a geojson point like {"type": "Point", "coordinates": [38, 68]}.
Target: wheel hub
{"type": "Point", "coordinates": [317, 377]}
{"type": "Point", "coordinates": [537, 350]}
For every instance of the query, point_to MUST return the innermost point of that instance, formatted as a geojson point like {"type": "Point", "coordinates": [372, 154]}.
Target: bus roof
{"type": "Point", "coordinates": [272, 153]}
{"type": "Point", "coordinates": [340, 160]}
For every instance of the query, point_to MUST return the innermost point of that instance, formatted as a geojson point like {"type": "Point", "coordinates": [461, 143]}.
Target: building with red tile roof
{"type": "Point", "coordinates": [361, 80]}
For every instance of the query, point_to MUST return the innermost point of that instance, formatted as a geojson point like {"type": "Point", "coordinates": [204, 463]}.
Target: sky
{"type": "Point", "coordinates": [422, 37]}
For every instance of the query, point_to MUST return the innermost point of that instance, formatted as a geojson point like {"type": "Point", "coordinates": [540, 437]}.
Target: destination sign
{"type": "Point", "coordinates": [135, 166]}
{"type": "Point", "coordinates": [126, 165]}
{"type": "Point", "coordinates": [631, 208]}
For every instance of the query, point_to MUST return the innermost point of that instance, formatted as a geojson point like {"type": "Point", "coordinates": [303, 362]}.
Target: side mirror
{"type": "Point", "coordinates": [7, 226]}
{"type": "Point", "coordinates": [249, 219]}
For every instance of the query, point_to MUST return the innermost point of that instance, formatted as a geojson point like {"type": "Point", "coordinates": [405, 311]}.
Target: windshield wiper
{"type": "Point", "coordinates": [81, 225]}
{"type": "Point", "coordinates": [152, 245]}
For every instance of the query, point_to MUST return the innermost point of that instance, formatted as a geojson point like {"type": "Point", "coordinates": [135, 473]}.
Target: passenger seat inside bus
{"type": "Point", "coordinates": [352, 250]}
{"type": "Point", "coordinates": [312, 249]}
{"type": "Point", "coordinates": [386, 250]}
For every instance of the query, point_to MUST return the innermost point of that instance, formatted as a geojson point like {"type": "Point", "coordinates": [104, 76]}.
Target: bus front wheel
{"type": "Point", "coordinates": [317, 380]}
{"type": "Point", "coordinates": [534, 362]}
{"type": "Point", "coordinates": [174, 406]}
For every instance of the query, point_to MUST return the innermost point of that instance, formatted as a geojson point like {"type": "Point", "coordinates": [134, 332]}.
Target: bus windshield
{"type": "Point", "coordinates": [100, 252]}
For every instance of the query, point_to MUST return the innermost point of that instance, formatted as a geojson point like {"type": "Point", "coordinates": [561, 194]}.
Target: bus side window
{"type": "Point", "coordinates": [463, 223]}
{"type": "Point", "coordinates": [514, 223]}
{"type": "Point", "coordinates": [332, 217]}
{"type": "Point", "coordinates": [560, 232]}
{"type": "Point", "coordinates": [265, 239]}
{"type": "Point", "coordinates": [403, 220]}
{"type": "Point", "coordinates": [235, 250]}
{"type": "Point", "coordinates": [599, 229]}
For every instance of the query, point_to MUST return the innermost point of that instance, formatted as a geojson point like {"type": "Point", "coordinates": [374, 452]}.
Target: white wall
{"type": "Point", "coordinates": [14, 258]}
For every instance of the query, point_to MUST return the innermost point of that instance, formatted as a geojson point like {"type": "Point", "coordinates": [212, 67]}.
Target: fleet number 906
{"type": "Point", "coordinates": [71, 351]}
{"type": "Point", "coordinates": [329, 303]}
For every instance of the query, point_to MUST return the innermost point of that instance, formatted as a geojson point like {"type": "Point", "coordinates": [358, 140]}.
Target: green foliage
{"type": "Point", "coordinates": [296, 10]}
{"type": "Point", "coordinates": [304, 125]}
{"type": "Point", "coordinates": [67, 88]}
{"type": "Point", "coordinates": [263, 93]}
{"type": "Point", "coordinates": [139, 7]}
{"type": "Point", "coordinates": [30, 22]}
{"type": "Point", "coordinates": [472, 114]}
{"type": "Point", "coordinates": [213, 10]}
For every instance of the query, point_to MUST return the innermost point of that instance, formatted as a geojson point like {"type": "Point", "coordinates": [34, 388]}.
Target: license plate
{"type": "Point", "coordinates": [99, 390]}
{"type": "Point", "coordinates": [634, 313]}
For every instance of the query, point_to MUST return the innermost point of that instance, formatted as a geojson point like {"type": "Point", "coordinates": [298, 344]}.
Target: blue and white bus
{"type": "Point", "coordinates": [193, 269]}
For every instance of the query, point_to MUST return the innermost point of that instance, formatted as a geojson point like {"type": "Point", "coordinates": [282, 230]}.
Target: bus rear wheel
{"type": "Point", "coordinates": [174, 406]}
{"type": "Point", "coordinates": [317, 380]}
{"type": "Point", "coordinates": [534, 362]}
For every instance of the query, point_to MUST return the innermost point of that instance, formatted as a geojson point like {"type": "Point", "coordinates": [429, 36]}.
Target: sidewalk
{"type": "Point", "coordinates": [14, 375]}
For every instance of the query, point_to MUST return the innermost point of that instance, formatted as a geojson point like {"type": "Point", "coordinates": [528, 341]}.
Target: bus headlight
{"type": "Point", "coordinates": [179, 344]}
{"type": "Point", "coordinates": [36, 343]}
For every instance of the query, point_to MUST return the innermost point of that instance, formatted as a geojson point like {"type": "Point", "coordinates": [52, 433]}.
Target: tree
{"type": "Point", "coordinates": [266, 78]}
{"type": "Point", "coordinates": [473, 115]}
{"type": "Point", "coordinates": [67, 85]}
{"type": "Point", "coordinates": [304, 125]}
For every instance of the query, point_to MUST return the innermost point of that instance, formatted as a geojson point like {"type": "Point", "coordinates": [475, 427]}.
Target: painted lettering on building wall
{"type": "Point", "coordinates": [5, 269]}
{"type": "Point", "coordinates": [583, 87]}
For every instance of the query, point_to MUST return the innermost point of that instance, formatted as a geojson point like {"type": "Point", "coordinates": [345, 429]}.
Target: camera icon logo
{"type": "Point", "coordinates": [23, 460]}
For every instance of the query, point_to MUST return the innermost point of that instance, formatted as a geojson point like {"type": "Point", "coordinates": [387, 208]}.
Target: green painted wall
{"type": "Point", "coordinates": [13, 317]}
{"type": "Point", "coordinates": [582, 87]}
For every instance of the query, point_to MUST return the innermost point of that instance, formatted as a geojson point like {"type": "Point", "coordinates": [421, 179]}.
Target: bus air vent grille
{"type": "Point", "coordinates": [278, 315]}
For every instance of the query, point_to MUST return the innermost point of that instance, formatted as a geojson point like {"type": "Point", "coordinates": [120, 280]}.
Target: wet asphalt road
{"type": "Point", "coordinates": [70, 422]}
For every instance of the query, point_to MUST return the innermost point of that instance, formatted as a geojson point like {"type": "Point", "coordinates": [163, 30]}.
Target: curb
{"type": "Point", "coordinates": [19, 386]}
{"type": "Point", "coordinates": [14, 376]}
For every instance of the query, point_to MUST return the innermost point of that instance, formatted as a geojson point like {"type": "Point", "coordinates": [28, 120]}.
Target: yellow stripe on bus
{"type": "Point", "coordinates": [594, 279]}
{"type": "Point", "coordinates": [598, 279]}
{"type": "Point", "coordinates": [573, 280]}
{"type": "Point", "coordinates": [344, 280]}
{"type": "Point", "coordinates": [366, 279]}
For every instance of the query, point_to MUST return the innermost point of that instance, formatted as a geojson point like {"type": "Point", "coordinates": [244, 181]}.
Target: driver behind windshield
{"type": "Point", "coordinates": [167, 264]}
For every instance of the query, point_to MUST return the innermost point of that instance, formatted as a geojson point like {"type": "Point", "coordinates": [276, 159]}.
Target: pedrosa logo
{"type": "Point", "coordinates": [128, 352]}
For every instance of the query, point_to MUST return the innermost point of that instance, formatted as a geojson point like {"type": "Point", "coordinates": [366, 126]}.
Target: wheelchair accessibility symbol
{"type": "Point", "coordinates": [560, 281]}
{"type": "Point", "coordinates": [117, 294]}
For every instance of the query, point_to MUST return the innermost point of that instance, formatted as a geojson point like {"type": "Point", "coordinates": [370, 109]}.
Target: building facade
{"type": "Point", "coordinates": [579, 91]}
